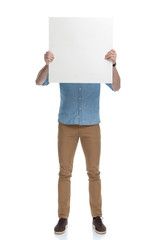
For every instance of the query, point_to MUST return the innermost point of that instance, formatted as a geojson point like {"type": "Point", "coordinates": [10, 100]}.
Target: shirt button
{"type": "Point", "coordinates": [80, 98]}
{"type": "Point", "coordinates": [80, 108]}
{"type": "Point", "coordinates": [78, 116]}
{"type": "Point", "coordinates": [79, 88]}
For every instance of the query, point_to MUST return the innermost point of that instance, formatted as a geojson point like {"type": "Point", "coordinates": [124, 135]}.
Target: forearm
{"type": "Point", "coordinates": [42, 75]}
{"type": "Point", "coordinates": [116, 80]}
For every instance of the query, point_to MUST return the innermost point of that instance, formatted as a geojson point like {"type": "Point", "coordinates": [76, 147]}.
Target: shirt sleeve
{"type": "Point", "coordinates": [110, 86]}
{"type": "Point", "coordinates": [46, 82]}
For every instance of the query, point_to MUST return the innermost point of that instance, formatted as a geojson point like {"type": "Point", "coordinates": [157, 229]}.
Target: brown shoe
{"type": "Point", "coordinates": [61, 226]}
{"type": "Point", "coordinates": [98, 225]}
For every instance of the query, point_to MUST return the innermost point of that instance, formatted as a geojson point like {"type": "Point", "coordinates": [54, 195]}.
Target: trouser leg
{"type": "Point", "coordinates": [90, 137]}
{"type": "Point", "coordinates": [67, 143]}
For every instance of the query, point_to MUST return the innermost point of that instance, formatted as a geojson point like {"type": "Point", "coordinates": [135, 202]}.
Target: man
{"type": "Point", "coordinates": [79, 118]}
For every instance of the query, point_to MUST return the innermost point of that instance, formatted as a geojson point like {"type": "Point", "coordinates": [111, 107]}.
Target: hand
{"type": "Point", "coordinates": [111, 56]}
{"type": "Point", "coordinates": [48, 57]}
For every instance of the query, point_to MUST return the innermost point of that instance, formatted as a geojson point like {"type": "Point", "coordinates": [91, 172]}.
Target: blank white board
{"type": "Point", "coordinates": [79, 45]}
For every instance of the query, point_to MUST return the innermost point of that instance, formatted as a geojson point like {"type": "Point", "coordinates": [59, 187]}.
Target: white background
{"type": "Point", "coordinates": [129, 126]}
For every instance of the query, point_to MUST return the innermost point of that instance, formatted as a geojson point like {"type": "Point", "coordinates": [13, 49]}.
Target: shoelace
{"type": "Point", "coordinates": [99, 220]}
{"type": "Point", "coordinates": [61, 221]}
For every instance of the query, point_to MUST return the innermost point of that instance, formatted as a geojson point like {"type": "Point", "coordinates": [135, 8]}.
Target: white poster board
{"type": "Point", "coordinates": [79, 45]}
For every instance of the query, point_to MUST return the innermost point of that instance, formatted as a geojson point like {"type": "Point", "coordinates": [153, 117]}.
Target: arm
{"type": "Point", "coordinates": [42, 77]}
{"type": "Point", "coordinates": [116, 80]}
{"type": "Point", "coordinates": [112, 56]}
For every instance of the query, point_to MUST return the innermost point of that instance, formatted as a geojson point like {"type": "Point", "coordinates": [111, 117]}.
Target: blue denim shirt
{"type": "Point", "coordinates": [79, 102]}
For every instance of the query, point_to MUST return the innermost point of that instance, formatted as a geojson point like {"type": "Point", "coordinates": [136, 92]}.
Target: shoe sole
{"type": "Point", "coordinates": [62, 231]}
{"type": "Point", "coordinates": [98, 231]}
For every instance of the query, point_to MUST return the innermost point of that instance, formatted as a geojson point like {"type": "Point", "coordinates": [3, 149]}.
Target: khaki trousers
{"type": "Point", "coordinates": [68, 136]}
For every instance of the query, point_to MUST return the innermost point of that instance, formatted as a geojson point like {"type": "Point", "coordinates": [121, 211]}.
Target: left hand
{"type": "Point", "coordinates": [111, 56]}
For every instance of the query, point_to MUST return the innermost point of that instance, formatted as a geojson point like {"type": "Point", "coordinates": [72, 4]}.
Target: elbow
{"type": "Point", "coordinates": [116, 86]}
{"type": "Point", "coordinates": [115, 89]}
{"type": "Point", "coordinates": [37, 82]}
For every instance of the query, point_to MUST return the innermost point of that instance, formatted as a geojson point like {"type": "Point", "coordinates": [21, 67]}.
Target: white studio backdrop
{"type": "Point", "coordinates": [130, 158]}
{"type": "Point", "coordinates": [79, 45]}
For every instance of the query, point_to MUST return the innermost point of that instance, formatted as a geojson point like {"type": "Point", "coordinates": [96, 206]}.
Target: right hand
{"type": "Point", "coordinates": [48, 57]}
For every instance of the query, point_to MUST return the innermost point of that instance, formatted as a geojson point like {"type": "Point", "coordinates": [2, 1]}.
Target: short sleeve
{"type": "Point", "coordinates": [110, 86]}
{"type": "Point", "coordinates": [46, 81]}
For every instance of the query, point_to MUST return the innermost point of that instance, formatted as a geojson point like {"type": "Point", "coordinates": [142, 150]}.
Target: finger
{"type": "Point", "coordinates": [48, 57]}
{"type": "Point", "coordinates": [112, 50]}
{"type": "Point", "coordinates": [49, 54]}
{"type": "Point", "coordinates": [110, 55]}
{"type": "Point", "coordinates": [111, 59]}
